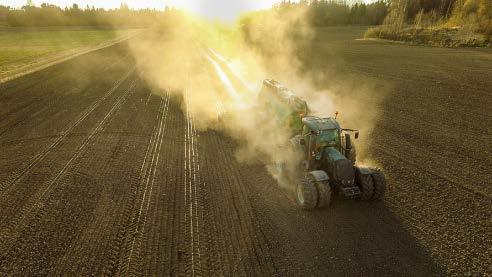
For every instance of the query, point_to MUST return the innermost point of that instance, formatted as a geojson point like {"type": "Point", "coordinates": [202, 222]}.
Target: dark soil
{"type": "Point", "coordinates": [102, 174]}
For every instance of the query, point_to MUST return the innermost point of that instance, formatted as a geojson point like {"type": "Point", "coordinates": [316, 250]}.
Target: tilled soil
{"type": "Point", "coordinates": [102, 174]}
{"type": "Point", "coordinates": [432, 137]}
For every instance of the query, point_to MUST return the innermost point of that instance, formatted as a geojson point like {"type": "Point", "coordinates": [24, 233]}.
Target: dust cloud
{"type": "Point", "coordinates": [218, 70]}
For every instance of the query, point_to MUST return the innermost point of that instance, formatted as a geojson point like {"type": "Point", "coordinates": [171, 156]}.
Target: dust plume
{"type": "Point", "coordinates": [279, 43]}
{"type": "Point", "coordinates": [219, 69]}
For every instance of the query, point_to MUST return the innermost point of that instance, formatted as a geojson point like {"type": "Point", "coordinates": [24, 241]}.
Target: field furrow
{"type": "Point", "coordinates": [105, 172]}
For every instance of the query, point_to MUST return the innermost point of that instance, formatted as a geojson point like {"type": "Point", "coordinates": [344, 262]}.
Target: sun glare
{"type": "Point", "coordinates": [225, 10]}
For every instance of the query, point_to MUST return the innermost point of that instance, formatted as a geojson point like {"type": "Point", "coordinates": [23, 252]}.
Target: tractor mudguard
{"type": "Point", "coordinates": [319, 175]}
{"type": "Point", "coordinates": [364, 170]}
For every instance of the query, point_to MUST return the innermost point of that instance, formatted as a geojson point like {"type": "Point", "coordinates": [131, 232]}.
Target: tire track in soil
{"type": "Point", "coordinates": [248, 250]}
{"type": "Point", "coordinates": [217, 230]}
{"type": "Point", "coordinates": [192, 180]}
{"type": "Point", "coordinates": [131, 260]}
{"type": "Point", "coordinates": [163, 241]}
{"type": "Point", "coordinates": [108, 243]}
{"type": "Point", "coordinates": [21, 110]}
{"type": "Point", "coordinates": [6, 186]}
{"type": "Point", "coordinates": [20, 194]}
{"type": "Point", "coordinates": [119, 245]}
{"type": "Point", "coordinates": [17, 116]}
{"type": "Point", "coordinates": [239, 242]}
{"type": "Point", "coordinates": [9, 234]}
{"type": "Point", "coordinates": [222, 255]}
{"type": "Point", "coordinates": [121, 148]}
{"type": "Point", "coordinates": [261, 245]}
{"type": "Point", "coordinates": [237, 245]}
{"type": "Point", "coordinates": [17, 120]}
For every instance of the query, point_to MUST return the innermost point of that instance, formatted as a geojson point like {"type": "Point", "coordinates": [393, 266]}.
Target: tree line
{"type": "Point", "coordinates": [444, 13]}
{"type": "Point", "coordinates": [51, 15]}
{"type": "Point", "coordinates": [321, 13]}
{"type": "Point", "coordinates": [442, 9]}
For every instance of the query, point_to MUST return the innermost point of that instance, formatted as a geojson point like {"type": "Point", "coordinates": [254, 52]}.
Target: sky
{"type": "Point", "coordinates": [214, 9]}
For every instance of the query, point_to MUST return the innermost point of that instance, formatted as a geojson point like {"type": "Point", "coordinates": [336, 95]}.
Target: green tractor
{"type": "Point", "coordinates": [329, 167]}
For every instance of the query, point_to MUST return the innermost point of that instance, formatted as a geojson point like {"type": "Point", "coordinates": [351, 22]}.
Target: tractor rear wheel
{"type": "Point", "coordinates": [324, 194]}
{"type": "Point", "coordinates": [379, 184]}
{"type": "Point", "coordinates": [306, 193]}
{"type": "Point", "coordinates": [352, 155]}
{"type": "Point", "coordinates": [366, 186]}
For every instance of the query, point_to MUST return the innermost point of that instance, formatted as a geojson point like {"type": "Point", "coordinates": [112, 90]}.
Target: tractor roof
{"type": "Point", "coordinates": [318, 124]}
{"type": "Point", "coordinates": [271, 83]}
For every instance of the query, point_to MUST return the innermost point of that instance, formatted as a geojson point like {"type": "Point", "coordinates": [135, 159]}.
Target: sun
{"type": "Point", "coordinates": [225, 10]}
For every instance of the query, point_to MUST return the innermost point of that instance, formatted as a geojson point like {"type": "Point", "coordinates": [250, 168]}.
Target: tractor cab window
{"type": "Point", "coordinates": [329, 136]}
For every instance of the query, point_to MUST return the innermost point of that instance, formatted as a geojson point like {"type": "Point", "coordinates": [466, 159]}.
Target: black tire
{"type": "Point", "coordinates": [379, 184]}
{"type": "Point", "coordinates": [366, 186]}
{"type": "Point", "coordinates": [353, 155]}
{"type": "Point", "coordinates": [324, 194]}
{"type": "Point", "coordinates": [306, 194]}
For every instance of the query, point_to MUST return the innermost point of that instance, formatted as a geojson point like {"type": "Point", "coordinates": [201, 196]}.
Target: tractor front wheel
{"type": "Point", "coordinates": [366, 186]}
{"type": "Point", "coordinates": [324, 194]}
{"type": "Point", "coordinates": [306, 193]}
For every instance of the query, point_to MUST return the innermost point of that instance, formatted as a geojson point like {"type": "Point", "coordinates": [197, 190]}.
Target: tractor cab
{"type": "Point", "coordinates": [319, 134]}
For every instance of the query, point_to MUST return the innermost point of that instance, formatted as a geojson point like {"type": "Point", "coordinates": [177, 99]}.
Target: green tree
{"type": "Point", "coordinates": [485, 10]}
{"type": "Point", "coordinates": [485, 17]}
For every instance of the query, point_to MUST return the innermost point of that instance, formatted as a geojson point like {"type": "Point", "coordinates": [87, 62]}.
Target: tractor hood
{"type": "Point", "coordinates": [339, 168]}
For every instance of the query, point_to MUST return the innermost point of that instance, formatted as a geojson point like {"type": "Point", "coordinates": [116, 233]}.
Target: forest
{"type": "Point", "coordinates": [438, 22]}
{"type": "Point", "coordinates": [50, 15]}
{"type": "Point", "coordinates": [394, 17]}
{"type": "Point", "coordinates": [320, 13]}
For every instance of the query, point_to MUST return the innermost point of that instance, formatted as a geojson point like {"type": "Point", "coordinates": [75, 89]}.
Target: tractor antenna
{"type": "Point", "coordinates": [336, 114]}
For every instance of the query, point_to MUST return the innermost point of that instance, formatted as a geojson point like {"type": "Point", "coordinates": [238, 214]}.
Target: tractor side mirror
{"type": "Point", "coordinates": [302, 141]}
{"type": "Point", "coordinates": [348, 141]}
{"type": "Point", "coordinates": [356, 135]}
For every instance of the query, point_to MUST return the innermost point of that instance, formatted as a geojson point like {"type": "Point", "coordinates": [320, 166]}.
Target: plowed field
{"type": "Point", "coordinates": [101, 173]}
